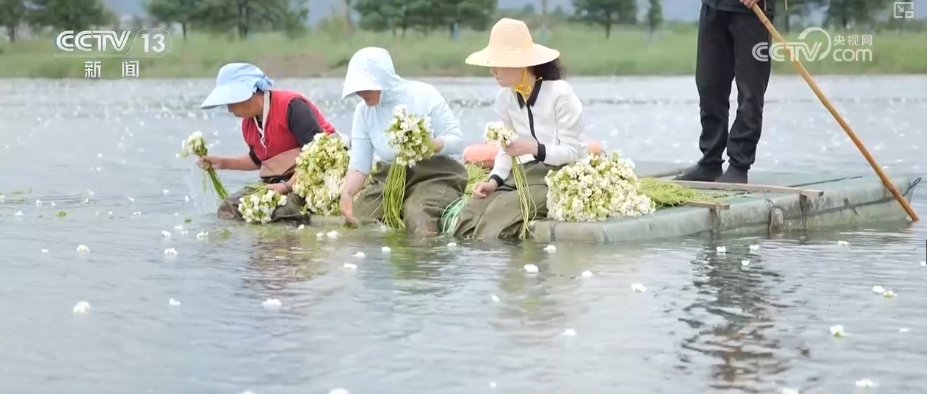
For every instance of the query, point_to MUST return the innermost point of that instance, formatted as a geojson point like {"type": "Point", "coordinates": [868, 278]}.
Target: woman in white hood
{"type": "Point", "coordinates": [431, 185]}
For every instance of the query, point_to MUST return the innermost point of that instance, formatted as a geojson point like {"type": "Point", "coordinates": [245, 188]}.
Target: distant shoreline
{"type": "Point", "coordinates": [585, 52]}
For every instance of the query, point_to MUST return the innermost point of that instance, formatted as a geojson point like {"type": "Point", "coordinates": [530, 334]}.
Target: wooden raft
{"type": "Point", "coordinates": [805, 193]}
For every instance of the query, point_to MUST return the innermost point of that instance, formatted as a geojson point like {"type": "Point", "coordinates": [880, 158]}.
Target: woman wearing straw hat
{"type": "Point", "coordinates": [546, 115]}
{"type": "Point", "coordinates": [433, 183]}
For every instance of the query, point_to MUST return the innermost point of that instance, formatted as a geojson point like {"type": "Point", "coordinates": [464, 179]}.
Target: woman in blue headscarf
{"type": "Point", "coordinates": [275, 124]}
{"type": "Point", "coordinates": [431, 185]}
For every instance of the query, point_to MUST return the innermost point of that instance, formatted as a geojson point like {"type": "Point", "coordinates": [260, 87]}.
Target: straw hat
{"type": "Point", "coordinates": [510, 45]}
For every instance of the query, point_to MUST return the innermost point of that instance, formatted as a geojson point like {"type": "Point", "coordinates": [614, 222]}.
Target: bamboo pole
{"type": "Point", "coordinates": [830, 108]}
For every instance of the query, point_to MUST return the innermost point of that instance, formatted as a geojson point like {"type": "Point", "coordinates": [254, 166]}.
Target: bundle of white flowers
{"type": "Point", "coordinates": [596, 188]}
{"type": "Point", "coordinates": [259, 206]}
{"type": "Point", "coordinates": [410, 136]}
{"type": "Point", "coordinates": [496, 133]}
{"type": "Point", "coordinates": [499, 135]}
{"type": "Point", "coordinates": [320, 170]}
{"type": "Point", "coordinates": [195, 145]}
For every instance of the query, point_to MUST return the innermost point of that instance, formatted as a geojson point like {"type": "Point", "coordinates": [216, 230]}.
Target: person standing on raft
{"type": "Point", "coordinates": [431, 185]}
{"type": "Point", "coordinates": [547, 117]}
{"type": "Point", "coordinates": [275, 125]}
{"type": "Point", "coordinates": [728, 33]}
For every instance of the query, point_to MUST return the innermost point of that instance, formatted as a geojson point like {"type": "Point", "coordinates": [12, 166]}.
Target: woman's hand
{"type": "Point", "coordinates": [214, 162]}
{"type": "Point", "coordinates": [347, 208]}
{"type": "Point", "coordinates": [484, 189]}
{"type": "Point", "coordinates": [280, 188]}
{"type": "Point", "coordinates": [522, 147]}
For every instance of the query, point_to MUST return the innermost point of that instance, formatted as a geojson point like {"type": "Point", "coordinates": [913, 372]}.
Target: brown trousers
{"type": "Point", "coordinates": [431, 186]}
{"type": "Point", "coordinates": [499, 214]}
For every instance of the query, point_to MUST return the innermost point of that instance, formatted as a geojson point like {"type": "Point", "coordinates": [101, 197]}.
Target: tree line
{"type": "Point", "coordinates": [244, 17]}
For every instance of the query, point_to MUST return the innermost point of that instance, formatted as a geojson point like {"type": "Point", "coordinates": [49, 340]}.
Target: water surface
{"type": "Point", "coordinates": [422, 319]}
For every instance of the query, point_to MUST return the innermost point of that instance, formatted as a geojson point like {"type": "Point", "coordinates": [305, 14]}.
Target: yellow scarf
{"type": "Point", "coordinates": [524, 88]}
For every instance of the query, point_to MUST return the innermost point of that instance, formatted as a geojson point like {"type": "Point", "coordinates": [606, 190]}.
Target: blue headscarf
{"type": "Point", "coordinates": [236, 83]}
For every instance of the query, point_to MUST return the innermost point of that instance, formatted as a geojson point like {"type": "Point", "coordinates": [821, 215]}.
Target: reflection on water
{"type": "Point", "coordinates": [732, 313]}
{"type": "Point", "coordinates": [422, 317]}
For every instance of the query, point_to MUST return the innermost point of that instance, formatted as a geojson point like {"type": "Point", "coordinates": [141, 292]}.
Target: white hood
{"type": "Point", "coordinates": [370, 68]}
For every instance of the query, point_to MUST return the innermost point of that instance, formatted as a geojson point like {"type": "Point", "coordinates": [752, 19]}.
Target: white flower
{"type": "Point", "coordinates": [865, 383]}
{"type": "Point", "coordinates": [82, 307]}
{"type": "Point", "coordinates": [883, 291]}
{"type": "Point", "coordinates": [259, 206]}
{"type": "Point", "coordinates": [499, 135]}
{"type": "Point", "coordinates": [410, 137]}
{"type": "Point", "coordinates": [838, 331]}
{"type": "Point", "coordinates": [320, 170]}
{"type": "Point", "coordinates": [596, 188]}
{"type": "Point", "coordinates": [195, 145]}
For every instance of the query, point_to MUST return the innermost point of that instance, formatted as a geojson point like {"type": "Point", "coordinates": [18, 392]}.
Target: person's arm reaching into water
{"type": "Point", "coordinates": [448, 139]}
{"type": "Point", "coordinates": [359, 166]}
{"type": "Point", "coordinates": [361, 156]}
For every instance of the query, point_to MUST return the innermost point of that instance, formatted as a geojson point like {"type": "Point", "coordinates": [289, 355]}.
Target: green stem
{"type": "Point", "coordinates": [393, 196]}
{"type": "Point", "coordinates": [525, 202]}
{"type": "Point", "coordinates": [217, 184]}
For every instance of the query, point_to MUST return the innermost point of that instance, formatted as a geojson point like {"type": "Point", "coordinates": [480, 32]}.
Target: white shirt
{"type": "Point", "coordinates": [558, 124]}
